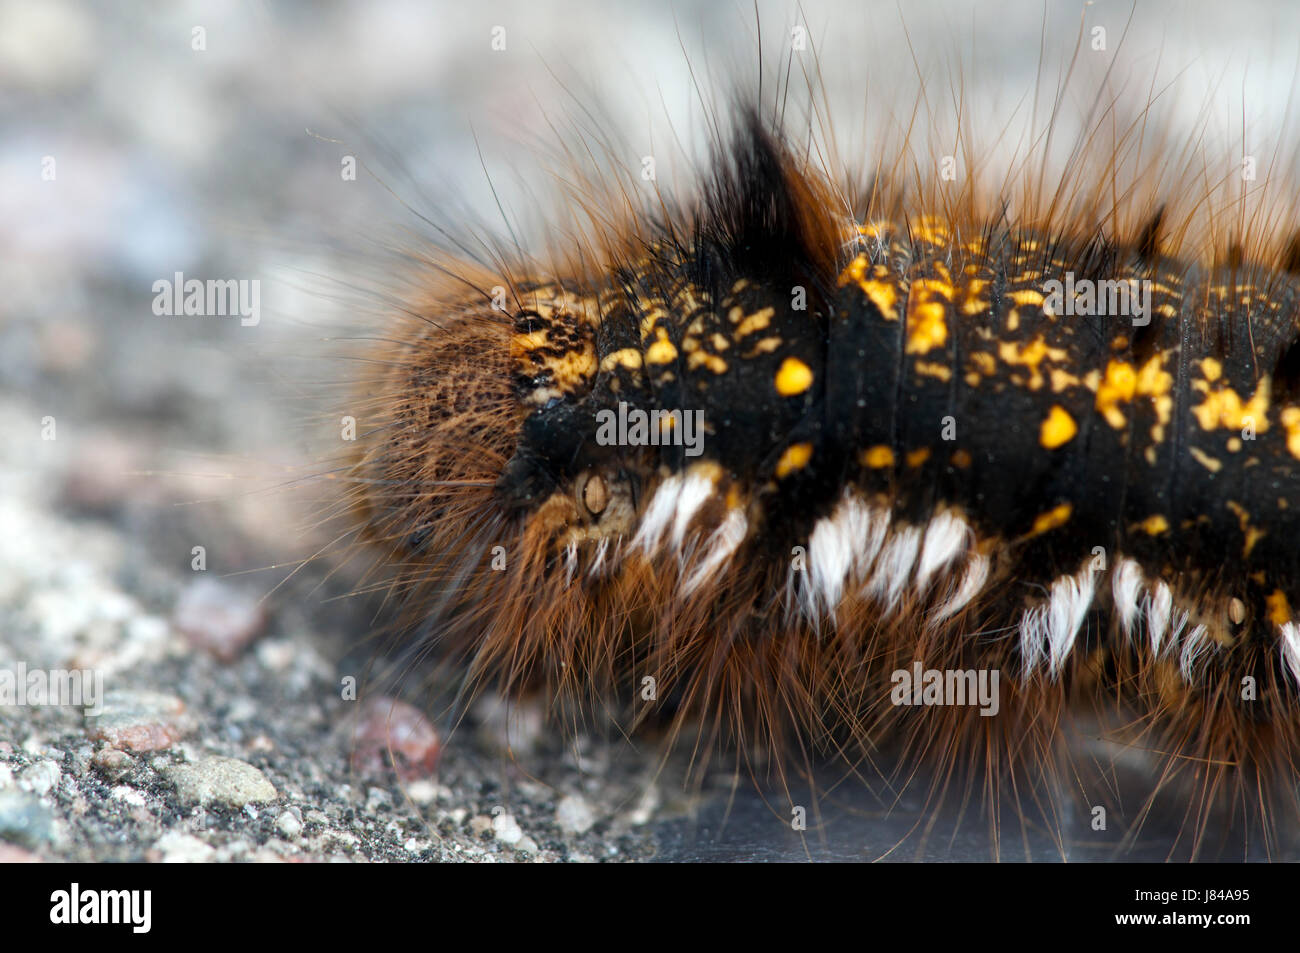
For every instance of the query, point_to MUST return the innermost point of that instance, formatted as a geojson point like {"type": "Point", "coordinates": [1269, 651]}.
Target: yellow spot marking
{"type": "Point", "coordinates": [1291, 423]}
{"type": "Point", "coordinates": [1154, 525]}
{"type": "Point", "coordinates": [1057, 516]}
{"type": "Point", "coordinates": [1252, 534]}
{"type": "Point", "coordinates": [1027, 296]}
{"type": "Point", "coordinates": [1212, 369]}
{"type": "Point", "coordinates": [662, 351]}
{"type": "Point", "coordinates": [765, 346]}
{"type": "Point", "coordinates": [1062, 379]}
{"type": "Point", "coordinates": [1279, 608]}
{"type": "Point", "coordinates": [796, 457]}
{"type": "Point", "coordinates": [530, 340]}
{"type": "Point", "coordinates": [650, 320]}
{"type": "Point", "coordinates": [1156, 383]}
{"type": "Point", "coordinates": [1205, 460]}
{"type": "Point", "coordinates": [1031, 356]}
{"type": "Point", "coordinates": [755, 322]}
{"type": "Point", "coordinates": [930, 369]}
{"type": "Point", "coordinates": [1122, 383]}
{"type": "Point", "coordinates": [926, 311]}
{"type": "Point", "coordinates": [793, 377]}
{"type": "Point", "coordinates": [1118, 386]}
{"type": "Point", "coordinates": [932, 230]}
{"type": "Point", "coordinates": [877, 457]}
{"type": "Point", "coordinates": [984, 362]}
{"type": "Point", "coordinates": [974, 303]}
{"type": "Point", "coordinates": [917, 457]}
{"type": "Point", "coordinates": [711, 361]}
{"type": "Point", "coordinates": [628, 357]}
{"type": "Point", "coordinates": [1058, 429]}
{"type": "Point", "coordinates": [1224, 408]}
{"type": "Point", "coordinates": [961, 459]}
{"type": "Point", "coordinates": [882, 294]}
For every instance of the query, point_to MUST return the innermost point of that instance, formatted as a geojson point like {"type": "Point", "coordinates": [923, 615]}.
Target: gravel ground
{"type": "Point", "coordinates": [199, 753]}
{"type": "Point", "coordinates": [128, 155]}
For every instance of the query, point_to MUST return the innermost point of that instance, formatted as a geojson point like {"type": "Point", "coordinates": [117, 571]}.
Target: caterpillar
{"type": "Point", "coordinates": [872, 466]}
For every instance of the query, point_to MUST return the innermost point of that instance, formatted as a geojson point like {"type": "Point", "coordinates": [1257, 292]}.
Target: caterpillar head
{"type": "Point", "coordinates": [545, 477]}
{"type": "Point", "coordinates": [562, 473]}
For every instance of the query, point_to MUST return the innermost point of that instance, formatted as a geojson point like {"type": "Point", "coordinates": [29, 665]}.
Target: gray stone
{"type": "Point", "coordinates": [24, 820]}
{"type": "Point", "coordinates": [225, 781]}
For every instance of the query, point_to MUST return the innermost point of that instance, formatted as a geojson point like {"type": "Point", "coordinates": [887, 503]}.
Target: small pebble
{"type": "Point", "coordinates": [177, 847]}
{"type": "Point", "coordinates": [574, 815]}
{"type": "Point", "coordinates": [226, 781]}
{"type": "Point", "coordinates": [24, 820]}
{"type": "Point", "coordinates": [139, 720]}
{"type": "Point", "coordinates": [289, 825]}
{"type": "Point", "coordinates": [101, 486]}
{"type": "Point", "coordinates": [218, 618]}
{"type": "Point", "coordinates": [41, 778]}
{"type": "Point", "coordinates": [507, 829]}
{"type": "Point", "coordinates": [645, 808]}
{"type": "Point", "coordinates": [422, 791]}
{"type": "Point", "coordinates": [391, 731]}
{"type": "Point", "coordinates": [112, 763]}
{"type": "Point", "coordinates": [9, 854]}
{"type": "Point", "coordinates": [128, 795]}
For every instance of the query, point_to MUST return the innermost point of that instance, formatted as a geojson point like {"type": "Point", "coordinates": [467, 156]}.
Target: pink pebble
{"type": "Point", "coordinates": [389, 731]}
{"type": "Point", "coordinates": [218, 618]}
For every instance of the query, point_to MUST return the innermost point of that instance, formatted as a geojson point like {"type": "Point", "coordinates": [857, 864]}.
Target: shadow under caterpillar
{"type": "Point", "coordinates": [831, 468]}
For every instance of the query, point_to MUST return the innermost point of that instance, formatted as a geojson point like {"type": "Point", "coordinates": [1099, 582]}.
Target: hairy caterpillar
{"type": "Point", "coordinates": [1046, 430]}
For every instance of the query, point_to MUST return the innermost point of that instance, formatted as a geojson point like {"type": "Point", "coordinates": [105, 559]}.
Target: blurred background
{"type": "Point", "coordinates": [139, 141]}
